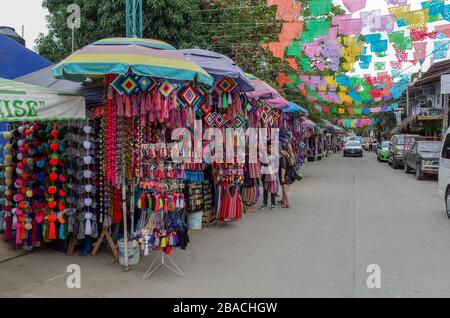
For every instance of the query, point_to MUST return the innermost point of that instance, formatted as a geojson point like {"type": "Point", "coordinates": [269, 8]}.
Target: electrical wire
{"type": "Point", "coordinates": [231, 8]}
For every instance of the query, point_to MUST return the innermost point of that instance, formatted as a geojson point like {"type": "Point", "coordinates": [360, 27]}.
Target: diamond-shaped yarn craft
{"type": "Point", "coordinates": [117, 84]}
{"type": "Point", "coordinates": [209, 120]}
{"type": "Point", "coordinates": [203, 90]}
{"type": "Point", "coordinates": [239, 122]}
{"type": "Point", "coordinates": [189, 96]}
{"type": "Point", "coordinates": [229, 123]}
{"type": "Point", "coordinates": [226, 85]}
{"type": "Point", "coordinates": [166, 88]}
{"type": "Point", "coordinates": [274, 114]}
{"type": "Point", "coordinates": [220, 120]}
{"type": "Point", "coordinates": [146, 83]}
{"type": "Point", "coordinates": [264, 116]}
{"type": "Point", "coordinates": [246, 104]}
{"type": "Point", "coordinates": [266, 108]}
{"type": "Point", "coordinates": [129, 85]}
{"type": "Point", "coordinates": [206, 109]}
{"type": "Point", "coordinates": [249, 107]}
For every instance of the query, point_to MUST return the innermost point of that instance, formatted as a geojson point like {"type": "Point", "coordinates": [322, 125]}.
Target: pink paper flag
{"type": "Point", "coordinates": [312, 50]}
{"type": "Point", "coordinates": [368, 17]}
{"type": "Point", "coordinates": [383, 23]}
{"type": "Point", "coordinates": [444, 29]}
{"type": "Point", "coordinates": [350, 27]}
{"type": "Point", "coordinates": [354, 5]}
{"type": "Point", "coordinates": [420, 46]}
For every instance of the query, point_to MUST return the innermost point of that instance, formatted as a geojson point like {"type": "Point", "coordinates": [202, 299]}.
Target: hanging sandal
{"type": "Point", "coordinates": [286, 206]}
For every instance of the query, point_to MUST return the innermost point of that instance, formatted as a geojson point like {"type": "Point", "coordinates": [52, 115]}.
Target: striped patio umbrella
{"type": "Point", "coordinates": [120, 55]}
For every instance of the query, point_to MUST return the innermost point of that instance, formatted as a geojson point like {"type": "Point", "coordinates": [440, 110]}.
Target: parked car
{"type": "Point", "coordinates": [397, 146]}
{"type": "Point", "coordinates": [444, 173]}
{"type": "Point", "coordinates": [353, 148]}
{"type": "Point", "coordinates": [383, 151]}
{"type": "Point", "coordinates": [423, 157]}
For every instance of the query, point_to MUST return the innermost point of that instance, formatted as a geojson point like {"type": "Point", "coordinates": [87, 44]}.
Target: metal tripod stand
{"type": "Point", "coordinates": [153, 267]}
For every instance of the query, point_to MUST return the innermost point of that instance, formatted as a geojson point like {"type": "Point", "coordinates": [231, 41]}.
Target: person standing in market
{"type": "Point", "coordinates": [269, 179]}
{"type": "Point", "coordinates": [286, 165]}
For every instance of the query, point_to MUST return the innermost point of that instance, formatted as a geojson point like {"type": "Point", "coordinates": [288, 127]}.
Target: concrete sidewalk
{"type": "Point", "coordinates": [347, 213]}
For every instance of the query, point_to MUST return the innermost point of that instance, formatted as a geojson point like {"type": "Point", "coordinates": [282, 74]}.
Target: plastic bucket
{"type": "Point", "coordinates": [134, 253]}
{"type": "Point", "coordinates": [194, 220]}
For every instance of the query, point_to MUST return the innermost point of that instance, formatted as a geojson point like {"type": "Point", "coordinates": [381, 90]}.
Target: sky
{"type": "Point", "coordinates": [382, 5]}
{"type": "Point", "coordinates": [29, 13]}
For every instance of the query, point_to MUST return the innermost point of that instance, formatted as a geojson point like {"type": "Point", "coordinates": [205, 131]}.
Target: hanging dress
{"type": "Point", "coordinates": [231, 207]}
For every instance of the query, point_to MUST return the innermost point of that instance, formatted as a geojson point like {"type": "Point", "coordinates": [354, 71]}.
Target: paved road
{"type": "Point", "coordinates": [349, 213]}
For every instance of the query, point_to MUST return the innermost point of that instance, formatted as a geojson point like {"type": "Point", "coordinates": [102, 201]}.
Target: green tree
{"type": "Point", "coordinates": [238, 29]}
{"type": "Point", "coordinates": [177, 22]}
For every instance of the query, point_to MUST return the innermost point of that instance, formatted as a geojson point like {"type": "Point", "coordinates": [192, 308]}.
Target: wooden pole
{"type": "Point", "coordinates": [133, 193]}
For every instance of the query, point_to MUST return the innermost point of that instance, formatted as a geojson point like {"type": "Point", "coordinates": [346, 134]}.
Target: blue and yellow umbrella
{"type": "Point", "coordinates": [120, 55]}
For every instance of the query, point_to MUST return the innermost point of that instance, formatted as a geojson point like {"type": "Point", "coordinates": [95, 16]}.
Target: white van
{"type": "Point", "coordinates": [444, 172]}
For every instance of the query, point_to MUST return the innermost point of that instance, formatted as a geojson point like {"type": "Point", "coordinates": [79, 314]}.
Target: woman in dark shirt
{"type": "Point", "coordinates": [285, 179]}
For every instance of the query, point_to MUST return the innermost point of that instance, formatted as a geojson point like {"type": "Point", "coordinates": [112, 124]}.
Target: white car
{"type": "Point", "coordinates": [444, 172]}
{"type": "Point", "coordinates": [353, 148]}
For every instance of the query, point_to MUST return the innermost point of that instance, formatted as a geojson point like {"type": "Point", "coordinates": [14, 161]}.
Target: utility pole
{"type": "Point", "coordinates": [133, 18]}
{"type": "Point", "coordinates": [407, 102]}
{"type": "Point", "coordinates": [445, 121]}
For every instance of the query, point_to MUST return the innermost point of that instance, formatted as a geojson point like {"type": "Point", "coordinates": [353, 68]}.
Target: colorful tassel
{"type": "Point", "coordinates": [62, 233]}
{"type": "Point", "coordinates": [127, 106]}
{"type": "Point", "coordinates": [52, 228]}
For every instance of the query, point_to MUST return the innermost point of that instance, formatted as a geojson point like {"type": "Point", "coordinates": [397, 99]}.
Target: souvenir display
{"type": "Point", "coordinates": [83, 179]}
{"type": "Point", "coordinates": [35, 184]}
{"type": "Point", "coordinates": [161, 223]}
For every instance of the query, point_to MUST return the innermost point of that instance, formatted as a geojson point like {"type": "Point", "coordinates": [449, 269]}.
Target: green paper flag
{"type": "Point", "coordinates": [305, 64]}
{"type": "Point", "coordinates": [380, 66]}
{"type": "Point", "coordinates": [307, 37]}
{"type": "Point", "coordinates": [319, 7]}
{"type": "Point", "coordinates": [319, 26]}
{"type": "Point", "coordinates": [401, 42]}
{"type": "Point", "coordinates": [294, 50]}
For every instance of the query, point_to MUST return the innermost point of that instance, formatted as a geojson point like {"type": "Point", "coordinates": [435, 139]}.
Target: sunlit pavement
{"type": "Point", "coordinates": [348, 213]}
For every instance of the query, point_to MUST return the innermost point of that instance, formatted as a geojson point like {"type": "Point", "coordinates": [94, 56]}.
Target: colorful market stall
{"type": "Point", "coordinates": [292, 119]}
{"type": "Point", "coordinates": [150, 89]}
{"type": "Point", "coordinates": [227, 108]}
{"type": "Point", "coordinates": [35, 163]}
